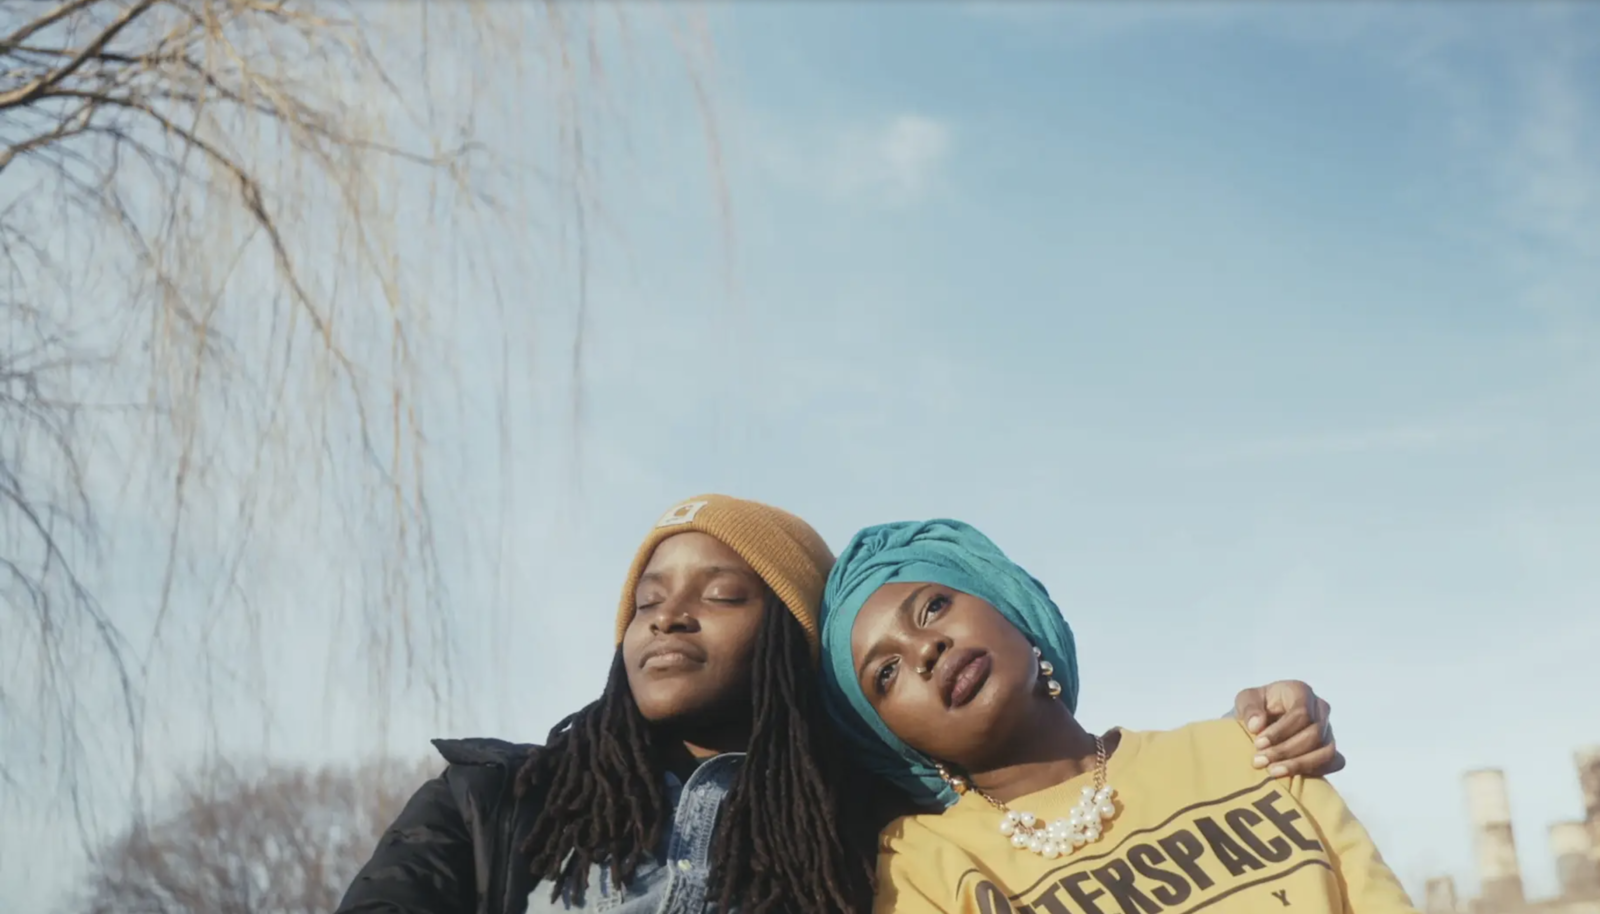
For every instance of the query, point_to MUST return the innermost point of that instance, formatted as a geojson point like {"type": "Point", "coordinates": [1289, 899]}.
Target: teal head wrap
{"type": "Point", "coordinates": [951, 554]}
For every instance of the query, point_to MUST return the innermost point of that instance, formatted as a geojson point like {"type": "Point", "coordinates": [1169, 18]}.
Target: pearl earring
{"type": "Point", "coordinates": [956, 784]}
{"type": "Point", "coordinates": [1047, 670]}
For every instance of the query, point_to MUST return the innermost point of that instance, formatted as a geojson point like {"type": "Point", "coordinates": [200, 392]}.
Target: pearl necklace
{"type": "Point", "coordinates": [1063, 836]}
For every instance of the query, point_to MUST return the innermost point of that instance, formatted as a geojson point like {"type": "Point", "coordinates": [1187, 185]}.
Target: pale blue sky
{"type": "Point", "coordinates": [1266, 335]}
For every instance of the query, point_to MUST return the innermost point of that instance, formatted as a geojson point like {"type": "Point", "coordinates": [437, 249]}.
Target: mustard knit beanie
{"type": "Point", "coordinates": [783, 549]}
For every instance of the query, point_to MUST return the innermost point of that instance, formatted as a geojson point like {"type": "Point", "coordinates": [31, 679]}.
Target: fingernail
{"type": "Point", "coordinates": [1261, 761]}
{"type": "Point", "coordinates": [1253, 724]}
{"type": "Point", "coordinates": [1262, 742]}
{"type": "Point", "coordinates": [1278, 771]}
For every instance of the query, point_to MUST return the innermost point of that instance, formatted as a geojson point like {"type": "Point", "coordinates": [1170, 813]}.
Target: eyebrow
{"type": "Point", "coordinates": [713, 571]}
{"type": "Point", "coordinates": [903, 609]}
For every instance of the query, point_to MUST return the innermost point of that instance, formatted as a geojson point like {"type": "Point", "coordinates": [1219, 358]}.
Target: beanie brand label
{"type": "Point", "coordinates": [682, 514]}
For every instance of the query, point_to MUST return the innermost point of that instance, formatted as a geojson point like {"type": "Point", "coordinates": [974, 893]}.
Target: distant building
{"type": "Point", "coordinates": [1574, 847]}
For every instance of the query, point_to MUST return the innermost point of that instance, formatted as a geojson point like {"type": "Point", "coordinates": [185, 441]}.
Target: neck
{"type": "Point", "coordinates": [685, 753]}
{"type": "Point", "coordinates": [1054, 748]}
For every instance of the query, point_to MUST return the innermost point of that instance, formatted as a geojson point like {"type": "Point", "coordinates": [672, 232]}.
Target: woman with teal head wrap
{"type": "Point", "coordinates": [946, 552]}
{"type": "Point", "coordinates": [955, 676]}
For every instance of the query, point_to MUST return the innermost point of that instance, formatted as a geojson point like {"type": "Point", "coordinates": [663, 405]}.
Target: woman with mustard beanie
{"type": "Point", "coordinates": [704, 778]}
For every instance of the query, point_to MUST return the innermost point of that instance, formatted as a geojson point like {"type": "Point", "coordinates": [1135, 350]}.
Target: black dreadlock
{"type": "Point", "coordinates": [784, 841]}
{"type": "Point", "coordinates": [791, 835]}
{"type": "Point", "coordinates": [600, 775]}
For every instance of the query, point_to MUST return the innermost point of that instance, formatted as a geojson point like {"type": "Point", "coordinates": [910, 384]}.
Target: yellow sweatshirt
{"type": "Point", "coordinates": [1197, 828]}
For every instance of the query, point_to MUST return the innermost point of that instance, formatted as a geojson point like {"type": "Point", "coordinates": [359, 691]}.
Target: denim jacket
{"type": "Point", "coordinates": [674, 881]}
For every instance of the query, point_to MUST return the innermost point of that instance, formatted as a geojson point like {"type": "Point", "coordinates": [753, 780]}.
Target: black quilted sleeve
{"type": "Point", "coordinates": [423, 863]}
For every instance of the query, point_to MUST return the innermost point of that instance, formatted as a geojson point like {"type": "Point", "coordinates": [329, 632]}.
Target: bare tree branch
{"type": "Point", "coordinates": [41, 85]}
{"type": "Point", "coordinates": [28, 29]}
{"type": "Point", "coordinates": [214, 341]}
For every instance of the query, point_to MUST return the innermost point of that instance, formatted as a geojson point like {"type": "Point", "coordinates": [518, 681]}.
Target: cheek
{"type": "Point", "coordinates": [633, 641]}
{"type": "Point", "coordinates": [1010, 689]}
{"type": "Point", "coordinates": [730, 638]}
{"type": "Point", "coordinates": [918, 719]}
{"type": "Point", "coordinates": [640, 688]}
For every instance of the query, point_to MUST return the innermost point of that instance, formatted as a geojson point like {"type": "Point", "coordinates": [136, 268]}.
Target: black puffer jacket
{"type": "Point", "coordinates": [451, 849]}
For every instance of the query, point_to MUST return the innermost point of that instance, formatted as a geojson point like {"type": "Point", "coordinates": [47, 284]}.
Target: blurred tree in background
{"type": "Point", "coordinates": [283, 841]}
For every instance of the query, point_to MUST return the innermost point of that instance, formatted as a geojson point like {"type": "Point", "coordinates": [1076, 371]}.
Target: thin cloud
{"type": "Point", "coordinates": [1098, 21]}
{"type": "Point", "coordinates": [1399, 438]}
{"type": "Point", "coordinates": [1107, 17]}
{"type": "Point", "coordinates": [895, 161]}
{"type": "Point", "coordinates": [1555, 183]}
{"type": "Point", "coordinates": [1549, 182]}
{"type": "Point", "coordinates": [904, 157]}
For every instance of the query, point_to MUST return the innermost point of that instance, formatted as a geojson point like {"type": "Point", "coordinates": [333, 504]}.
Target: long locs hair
{"type": "Point", "coordinates": [792, 834]}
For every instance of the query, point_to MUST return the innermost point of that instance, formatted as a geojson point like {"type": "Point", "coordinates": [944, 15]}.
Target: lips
{"type": "Point", "coordinates": [961, 674]}
{"type": "Point", "coordinates": [671, 653]}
